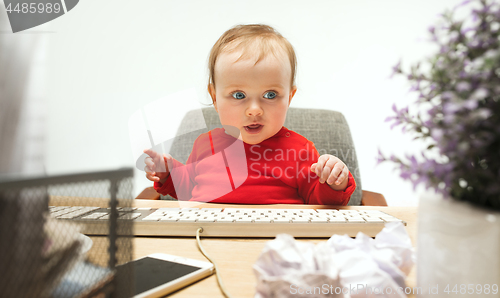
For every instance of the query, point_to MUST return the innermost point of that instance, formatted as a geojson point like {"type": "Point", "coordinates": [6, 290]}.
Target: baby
{"type": "Point", "coordinates": [252, 82]}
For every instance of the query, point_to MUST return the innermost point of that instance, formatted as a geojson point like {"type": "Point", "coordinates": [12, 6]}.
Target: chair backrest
{"type": "Point", "coordinates": [328, 130]}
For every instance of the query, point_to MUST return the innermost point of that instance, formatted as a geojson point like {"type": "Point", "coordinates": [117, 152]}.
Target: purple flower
{"type": "Point", "coordinates": [415, 87]}
{"type": "Point", "coordinates": [394, 108]}
{"type": "Point", "coordinates": [477, 143]}
{"type": "Point", "coordinates": [465, 30]}
{"type": "Point", "coordinates": [475, 43]}
{"type": "Point", "coordinates": [449, 119]}
{"type": "Point", "coordinates": [470, 104]}
{"type": "Point", "coordinates": [450, 108]}
{"type": "Point", "coordinates": [459, 128]}
{"type": "Point", "coordinates": [389, 118]}
{"type": "Point", "coordinates": [486, 9]}
{"type": "Point", "coordinates": [405, 174]}
{"type": "Point", "coordinates": [396, 123]}
{"type": "Point", "coordinates": [480, 93]}
{"type": "Point", "coordinates": [461, 4]}
{"type": "Point", "coordinates": [484, 113]}
{"type": "Point", "coordinates": [428, 123]}
{"type": "Point", "coordinates": [447, 95]}
{"type": "Point", "coordinates": [437, 134]}
{"type": "Point", "coordinates": [396, 69]}
{"type": "Point", "coordinates": [380, 157]}
{"type": "Point", "coordinates": [451, 146]}
{"type": "Point", "coordinates": [463, 86]}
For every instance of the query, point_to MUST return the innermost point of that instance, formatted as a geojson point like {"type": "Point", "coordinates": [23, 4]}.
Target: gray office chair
{"type": "Point", "coordinates": [328, 130]}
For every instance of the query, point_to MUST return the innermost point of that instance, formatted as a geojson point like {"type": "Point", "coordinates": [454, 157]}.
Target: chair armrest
{"type": "Point", "coordinates": [370, 198]}
{"type": "Point", "coordinates": [149, 194]}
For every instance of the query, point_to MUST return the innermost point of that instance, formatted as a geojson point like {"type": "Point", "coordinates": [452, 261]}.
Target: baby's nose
{"type": "Point", "coordinates": [254, 109]}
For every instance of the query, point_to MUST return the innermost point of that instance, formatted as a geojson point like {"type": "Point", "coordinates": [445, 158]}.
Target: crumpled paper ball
{"type": "Point", "coordinates": [339, 267]}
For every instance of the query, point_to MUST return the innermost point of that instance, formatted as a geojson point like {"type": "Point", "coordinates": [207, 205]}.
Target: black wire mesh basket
{"type": "Point", "coordinates": [44, 223]}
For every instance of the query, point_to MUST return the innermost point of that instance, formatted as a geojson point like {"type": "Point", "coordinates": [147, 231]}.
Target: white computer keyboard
{"type": "Point", "coordinates": [231, 222]}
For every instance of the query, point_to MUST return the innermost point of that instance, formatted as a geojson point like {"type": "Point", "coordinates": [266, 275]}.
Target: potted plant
{"type": "Point", "coordinates": [457, 115]}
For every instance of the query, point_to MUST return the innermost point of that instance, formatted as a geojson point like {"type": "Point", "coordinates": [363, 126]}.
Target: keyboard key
{"type": "Point", "coordinates": [319, 220]}
{"type": "Point", "coordinates": [168, 219]}
{"type": "Point", "coordinates": [167, 209]}
{"type": "Point", "coordinates": [243, 220]}
{"type": "Point", "coordinates": [78, 212]}
{"type": "Point", "coordinates": [58, 208]}
{"type": "Point", "coordinates": [225, 219]}
{"type": "Point", "coordinates": [326, 210]}
{"type": "Point", "coordinates": [130, 216]}
{"type": "Point", "coordinates": [94, 215]}
{"type": "Point", "coordinates": [64, 211]}
{"type": "Point", "coordinates": [128, 209]}
{"type": "Point", "coordinates": [356, 220]}
{"type": "Point", "coordinates": [281, 220]}
{"type": "Point", "coordinates": [211, 210]}
{"type": "Point", "coordinates": [232, 210]}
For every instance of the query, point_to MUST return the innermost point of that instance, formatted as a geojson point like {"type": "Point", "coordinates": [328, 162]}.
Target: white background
{"type": "Point", "coordinates": [107, 59]}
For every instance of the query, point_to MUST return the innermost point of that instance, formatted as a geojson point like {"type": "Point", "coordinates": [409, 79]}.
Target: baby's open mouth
{"type": "Point", "coordinates": [254, 128]}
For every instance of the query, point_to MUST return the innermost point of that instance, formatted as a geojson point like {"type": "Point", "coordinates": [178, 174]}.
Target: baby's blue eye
{"type": "Point", "coordinates": [238, 95]}
{"type": "Point", "coordinates": [272, 95]}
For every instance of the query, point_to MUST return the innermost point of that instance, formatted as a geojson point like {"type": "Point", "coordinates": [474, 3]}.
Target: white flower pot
{"type": "Point", "coordinates": [458, 249]}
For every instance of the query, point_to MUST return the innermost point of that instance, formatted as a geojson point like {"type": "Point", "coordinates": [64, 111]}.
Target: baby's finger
{"type": "Point", "coordinates": [149, 173]}
{"type": "Point", "coordinates": [320, 164]}
{"type": "Point", "coordinates": [169, 161]}
{"type": "Point", "coordinates": [343, 176]}
{"type": "Point", "coordinates": [325, 173]}
{"type": "Point", "coordinates": [151, 153]}
{"type": "Point", "coordinates": [152, 177]}
{"type": "Point", "coordinates": [154, 156]}
{"type": "Point", "coordinates": [161, 165]}
{"type": "Point", "coordinates": [330, 163]}
{"type": "Point", "coordinates": [149, 163]}
{"type": "Point", "coordinates": [334, 175]}
{"type": "Point", "coordinates": [313, 167]}
{"type": "Point", "coordinates": [149, 170]}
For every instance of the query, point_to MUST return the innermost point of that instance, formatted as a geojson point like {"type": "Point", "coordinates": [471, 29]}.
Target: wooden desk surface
{"type": "Point", "coordinates": [234, 256]}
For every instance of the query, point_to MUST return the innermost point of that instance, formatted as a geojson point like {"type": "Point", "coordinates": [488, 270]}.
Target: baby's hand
{"type": "Point", "coordinates": [157, 166]}
{"type": "Point", "coordinates": [332, 170]}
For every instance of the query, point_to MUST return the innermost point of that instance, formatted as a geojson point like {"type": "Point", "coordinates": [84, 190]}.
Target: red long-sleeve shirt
{"type": "Point", "coordinates": [223, 169]}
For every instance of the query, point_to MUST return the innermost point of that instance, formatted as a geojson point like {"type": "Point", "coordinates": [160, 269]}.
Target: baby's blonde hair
{"type": "Point", "coordinates": [263, 37]}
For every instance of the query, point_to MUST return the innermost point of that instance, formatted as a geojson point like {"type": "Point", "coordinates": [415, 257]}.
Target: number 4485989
{"type": "Point", "coordinates": [34, 8]}
{"type": "Point", "coordinates": [472, 289]}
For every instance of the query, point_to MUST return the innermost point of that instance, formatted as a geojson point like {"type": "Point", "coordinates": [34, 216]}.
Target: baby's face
{"type": "Point", "coordinates": [252, 98]}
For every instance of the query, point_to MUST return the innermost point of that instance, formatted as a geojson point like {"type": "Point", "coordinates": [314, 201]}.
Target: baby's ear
{"type": "Point", "coordinates": [211, 91]}
{"type": "Point", "coordinates": [292, 93]}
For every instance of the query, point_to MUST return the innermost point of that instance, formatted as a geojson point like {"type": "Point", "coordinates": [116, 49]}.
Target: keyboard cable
{"type": "Point", "coordinates": [219, 280]}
